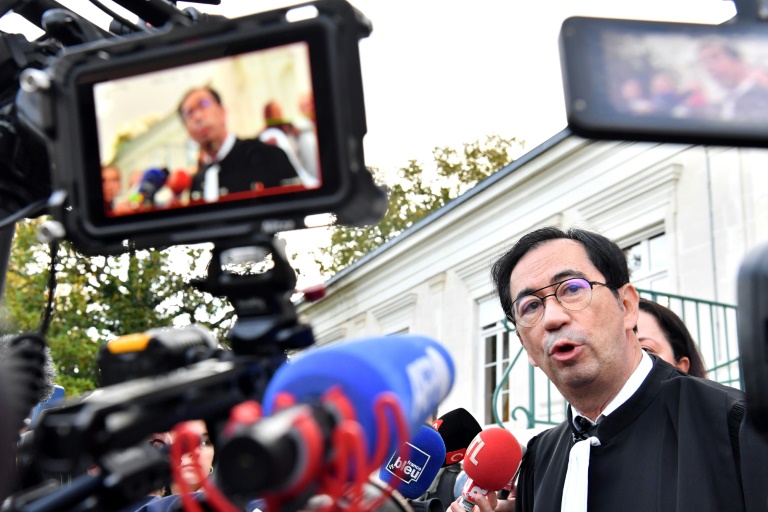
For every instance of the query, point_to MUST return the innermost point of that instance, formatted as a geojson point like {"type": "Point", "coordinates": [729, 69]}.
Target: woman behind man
{"type": "Point", "coordinates": [663, 333]}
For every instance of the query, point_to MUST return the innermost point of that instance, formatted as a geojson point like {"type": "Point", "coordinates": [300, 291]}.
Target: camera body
{"type": "Point", "coordinates": [119, 105]}
{"type": "Point", "coordinates": [667, 82]}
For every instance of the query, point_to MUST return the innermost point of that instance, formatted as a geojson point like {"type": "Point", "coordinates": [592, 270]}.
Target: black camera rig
{"type": "Point", "coordinates": [59, 131]}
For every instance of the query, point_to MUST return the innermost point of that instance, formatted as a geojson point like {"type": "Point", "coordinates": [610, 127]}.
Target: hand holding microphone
{"type": "Point", "coordinates": [491, 461]}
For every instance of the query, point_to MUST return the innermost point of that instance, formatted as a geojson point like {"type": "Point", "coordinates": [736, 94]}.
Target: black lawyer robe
{"type": "Point", "coordinates": [669, 448]}
{"type": "Point", "coordinates": [251, 165]}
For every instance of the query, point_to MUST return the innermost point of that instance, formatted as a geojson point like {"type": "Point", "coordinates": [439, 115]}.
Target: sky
{"type": "Point", "coordinates": [444, 72]}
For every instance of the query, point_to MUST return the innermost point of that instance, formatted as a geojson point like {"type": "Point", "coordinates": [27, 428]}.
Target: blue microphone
{"type": "Point", "coordinates": [412, 475]}
{"type": "Point", "coordinates": [151, 182]}
{"type": "Point", "coordinates": [418, 370]}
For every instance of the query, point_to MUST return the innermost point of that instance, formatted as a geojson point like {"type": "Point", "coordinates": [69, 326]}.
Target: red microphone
{"type": "Point", "coordinates": [490, 463]}
{"type": "Point", "coordinates": [179, 181]}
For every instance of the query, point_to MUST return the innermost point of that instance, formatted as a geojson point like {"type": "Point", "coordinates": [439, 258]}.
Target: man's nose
{"type": "Point", "coordinates": [554, 314]}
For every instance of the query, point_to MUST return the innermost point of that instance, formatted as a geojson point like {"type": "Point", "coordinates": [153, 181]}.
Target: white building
{"type": "Point", "coordinates": [685, 214]}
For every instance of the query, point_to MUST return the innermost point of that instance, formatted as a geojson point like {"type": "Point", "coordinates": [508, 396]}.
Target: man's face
{"type": "Point", "coordinates": [577, 350]}
{"type": "Point", "coordinates": [724, 68]}
{"type": "Point", "coordinates": [204, 118]}
{"type": "Point", "coordinates": [110, 183]}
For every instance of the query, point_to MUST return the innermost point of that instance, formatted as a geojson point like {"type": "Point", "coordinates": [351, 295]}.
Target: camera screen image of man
{"type": "Point", "coordinates": [745, 98]}
{"type": "Point", "coordinates": [228, 164]}
{"type": "Point", "coordinates": [640, 435]}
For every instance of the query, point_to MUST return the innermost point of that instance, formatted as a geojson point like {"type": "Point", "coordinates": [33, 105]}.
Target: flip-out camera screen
{"type": "Point", "coordinates": [237, 128]}
{"type": "Point", "coordinates": [207, 133]}
{"type": "Point", "coordinates": [666, 81]}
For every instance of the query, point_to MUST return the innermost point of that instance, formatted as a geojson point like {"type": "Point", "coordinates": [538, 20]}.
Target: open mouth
{"type": "Point", "coordinates": [563, 348]}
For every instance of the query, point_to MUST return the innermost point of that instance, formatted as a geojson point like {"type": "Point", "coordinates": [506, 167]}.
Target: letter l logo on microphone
{"type": "Point", "coordinates": [474, 449]}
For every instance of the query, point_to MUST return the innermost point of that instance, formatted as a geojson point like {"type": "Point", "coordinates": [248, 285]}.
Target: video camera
{"type": "Point", "coordinates": [192, 116]}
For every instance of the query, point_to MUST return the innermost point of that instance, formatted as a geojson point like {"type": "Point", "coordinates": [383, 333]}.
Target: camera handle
{"type": "Point", "coordinates": [267, 324]}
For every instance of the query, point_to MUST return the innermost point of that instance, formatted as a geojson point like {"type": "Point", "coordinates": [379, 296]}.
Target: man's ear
{"type": "Point", "coordinates": [630, 303]}
{"type": "Point", "coordinates": [530, 360]}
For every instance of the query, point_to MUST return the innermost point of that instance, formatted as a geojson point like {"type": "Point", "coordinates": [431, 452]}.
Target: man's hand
{"type": "Point", "coordinates": [488, 503]}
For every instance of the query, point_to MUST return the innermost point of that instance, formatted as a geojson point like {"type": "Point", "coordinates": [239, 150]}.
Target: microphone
{"type": "Point", "coordinates": [150, 183]}
{"type": "Point", "coordinates": [417, 369]}
{"type": "Point", "coordinates": [457, 428]}
{"type": "Point", "coordinates": [179, 181]}
{"type": "Point", "coordinates": [490, 463]}
{"type": "Point", "coordinates": [25, 364]}
{"type": "Point", "coordinates": [411, 476]}
{"type": "Point", "coordinates": [507, 490]}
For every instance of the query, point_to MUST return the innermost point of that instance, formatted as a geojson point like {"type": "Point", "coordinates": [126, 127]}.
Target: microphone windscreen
{"type": "Point", "coordinates": [418, 370]}
{"type": "Point", "coordinates": [457, 428]}
{"type": "Point", "coordinates": [414, 474]}
{"type": "Point", "coordinates": [152, 180]}
{"type": "Point", "coordinates": [492, 458]}
{"type": "Point", "coordinates": [179, 181]}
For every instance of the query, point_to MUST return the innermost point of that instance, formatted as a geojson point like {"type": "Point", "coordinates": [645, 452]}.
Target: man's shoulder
{"type": "Point", "coordinates": [250, 144]}
{"type": "Point", "coordinates": [549, 438]}
{"type": "Point", "coordinates": [262, 149]}
{"type": "Point", "coordinates": [682, 382]}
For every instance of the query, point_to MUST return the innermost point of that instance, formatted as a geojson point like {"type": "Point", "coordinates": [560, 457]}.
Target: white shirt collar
{"type": "Point", "coordinates": [630, 387]}
{"type": "Point", "coordinates": [224, 150]}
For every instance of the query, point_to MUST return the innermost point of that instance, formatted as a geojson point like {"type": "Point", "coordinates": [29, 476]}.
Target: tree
{"type": "Point", "coordinates": [413, 196]}
{"type": "Point", "coordinates": [100, 298]}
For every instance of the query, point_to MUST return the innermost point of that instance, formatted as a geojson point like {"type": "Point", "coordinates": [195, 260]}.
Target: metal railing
{"type": "Point", "coordinates": [712, 324]}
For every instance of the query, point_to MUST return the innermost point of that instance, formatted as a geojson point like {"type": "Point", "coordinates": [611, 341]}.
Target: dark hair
{"type": "Point", "coordinates": [208, 88]}
{"type": "Point", "coordinates": [604, 254]}
{"type": "Point", "coordinates": [677, 335]}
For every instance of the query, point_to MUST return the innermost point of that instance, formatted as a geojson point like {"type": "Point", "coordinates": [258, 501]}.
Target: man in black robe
{"type": "Point", "coordinates": [640, 435]}
{"type": "Point", "coordinates": [745, 96]}
{"type": "Point", "coordinates": [228, 164]}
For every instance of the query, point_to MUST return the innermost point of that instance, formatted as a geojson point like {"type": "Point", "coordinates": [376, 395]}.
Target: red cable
{"type": "Point", "coordinates": [337, 469]}
{"type": "Point", "coordinates": [383, 401]}
{"type": "Point", "coordinates": [283, 400]}
{"type": "Point", "coordinates": [186, 442]}
{"type": "Point", "coordinates": [179, 447]}
{"type": "Point", "coordinates": [347, 472]}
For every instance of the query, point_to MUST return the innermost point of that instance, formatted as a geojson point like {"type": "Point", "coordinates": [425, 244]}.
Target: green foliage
{"type": "Point", "coordinates": [100, 298]}
{"type": "Point", "coordinates": [412, 196]}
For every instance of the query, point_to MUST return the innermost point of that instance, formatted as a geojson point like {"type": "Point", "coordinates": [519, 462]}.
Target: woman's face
{"type": "Point", "coordinates": [652, 339]}
{"type": "Point", "coordinates": [204, 454]}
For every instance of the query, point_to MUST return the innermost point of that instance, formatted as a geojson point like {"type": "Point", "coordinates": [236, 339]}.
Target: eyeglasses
{"type": "Point", "coordinates": [573, 294]}
{"type": "Point", "coordinates": [203, 104]}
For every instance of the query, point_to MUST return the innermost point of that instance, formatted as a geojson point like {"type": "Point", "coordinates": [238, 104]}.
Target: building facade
{"type": "Point", "coordinates": [685, 215]}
